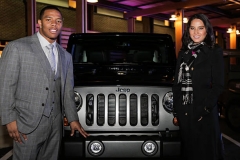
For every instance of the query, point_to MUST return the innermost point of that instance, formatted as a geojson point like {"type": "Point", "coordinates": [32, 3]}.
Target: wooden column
{"type": "Point", "coordinates": [131, 24]}
{"type": "Point", "coordinates": [147, 25]}
{"type": "Point", "coordinates": [81, 16]}
{"type": "Point", "coordinates": [90, 11]}
{"type": "Point", "coordinates": [178, 30]}
{"type": "Point", "coordinates": [31, 17]}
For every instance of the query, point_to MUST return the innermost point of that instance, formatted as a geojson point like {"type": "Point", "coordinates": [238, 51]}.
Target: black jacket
{"type": "Point", "coordinates": [207, 77]}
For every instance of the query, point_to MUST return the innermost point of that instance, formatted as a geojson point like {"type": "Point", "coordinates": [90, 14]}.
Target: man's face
{"type": "Point", "coordinates": [50, 24]}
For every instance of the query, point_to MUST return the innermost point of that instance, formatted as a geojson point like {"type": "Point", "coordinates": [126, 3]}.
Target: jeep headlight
{"type": "Point", "coordinates": [167, 102]}
{"type": "Point", "coordinates": [78, 100]}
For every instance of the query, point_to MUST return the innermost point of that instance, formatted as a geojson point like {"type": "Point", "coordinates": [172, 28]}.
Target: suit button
{"type": "Point", "coordinates": [42, 104]}
{"type": "Point", "coordinates": [46, 88]}
{"type": "Point", "coordinates": [186, 114]}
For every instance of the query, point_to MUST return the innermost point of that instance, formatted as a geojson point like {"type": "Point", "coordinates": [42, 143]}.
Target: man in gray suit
{"type": "Point", "coordinates": [34, 94]}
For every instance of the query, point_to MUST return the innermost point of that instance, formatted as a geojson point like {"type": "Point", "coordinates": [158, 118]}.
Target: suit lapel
{"type": "Point", "coordinates": [62, 65]}
{"type": "Point", "coordinates": [62, 61]}
{"type": "Point", "coordinates": [38, 51]}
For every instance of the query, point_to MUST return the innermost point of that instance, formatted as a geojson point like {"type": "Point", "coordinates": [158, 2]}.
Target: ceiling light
{"type": "Point", "coordinates": [173, 18]}
{"type": "Point", "coordinates": [185, 20]}
{"type": "Point", "coordinates": [92, 1]}
{"type": "Point", "coordinates": [229, 30]}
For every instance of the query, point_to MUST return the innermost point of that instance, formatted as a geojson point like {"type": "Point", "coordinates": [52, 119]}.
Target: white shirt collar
{"type": "Point", "coordinates": [43, 41]}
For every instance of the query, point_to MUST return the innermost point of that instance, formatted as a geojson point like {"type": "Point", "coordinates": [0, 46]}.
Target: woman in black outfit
{"type": "Point", "coordinates": [199, 80]}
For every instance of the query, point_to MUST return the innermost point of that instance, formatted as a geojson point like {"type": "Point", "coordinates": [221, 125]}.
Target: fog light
{"type": "Point", "coordinates": [149, 148]}
{"type": "Point", "coordinates": [95, 148]}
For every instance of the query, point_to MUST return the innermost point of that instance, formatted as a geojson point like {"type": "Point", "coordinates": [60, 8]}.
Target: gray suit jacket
{"type": "Point", "coordinates": [24, 81]}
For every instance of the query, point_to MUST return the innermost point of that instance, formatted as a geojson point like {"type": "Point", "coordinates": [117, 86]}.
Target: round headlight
{"type": "Point", "coordinates": [167, 102]}
{"type": "Point", "coordinates": [149, 148]}
{"type": "Point", "coordinates": [78, 100]}
{"type": "Point", "coordinates": [95, 148]}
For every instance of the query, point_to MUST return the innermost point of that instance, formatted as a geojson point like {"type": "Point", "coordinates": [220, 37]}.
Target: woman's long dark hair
{"type": "Point", "coordinates": [209, 39]}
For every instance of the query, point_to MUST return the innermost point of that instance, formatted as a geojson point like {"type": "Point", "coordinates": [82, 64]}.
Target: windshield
{"type": "Point", "coordinates": [119, 50]}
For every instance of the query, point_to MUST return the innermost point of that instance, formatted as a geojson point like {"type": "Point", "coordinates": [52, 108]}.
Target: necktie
{"type": "Point", "coordinates": [51, 57]}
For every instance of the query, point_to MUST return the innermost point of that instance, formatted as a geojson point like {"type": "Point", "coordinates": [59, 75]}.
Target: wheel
{"type": "Point", "coordinates": [233, 115]}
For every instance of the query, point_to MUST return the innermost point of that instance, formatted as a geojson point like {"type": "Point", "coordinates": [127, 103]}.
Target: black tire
{"type": "Point", "coordinates": [233, 115]}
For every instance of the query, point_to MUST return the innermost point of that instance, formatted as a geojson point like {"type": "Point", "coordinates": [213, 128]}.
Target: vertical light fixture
{"type": "Point", "coordinates": [72, 3]}
{"type": "Point", "coordinates": [166, 23]}
{"type": "Point", "coordinates": [139, 18]}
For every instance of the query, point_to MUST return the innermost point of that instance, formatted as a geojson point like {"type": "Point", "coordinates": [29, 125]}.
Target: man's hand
{"type": "Point", "coordinates": [175, 121]}
{"type": "Point", "coordinates": [14, 133]}
{"type": "Point", "coordinates": [75, 125]}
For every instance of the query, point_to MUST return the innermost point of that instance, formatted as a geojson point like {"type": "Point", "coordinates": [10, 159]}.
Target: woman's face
{"type": "Point", "coordinates": [197, 31]}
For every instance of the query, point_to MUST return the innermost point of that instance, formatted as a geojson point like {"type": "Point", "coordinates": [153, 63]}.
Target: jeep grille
{"type": "Point", "coordinates": [125, 110]}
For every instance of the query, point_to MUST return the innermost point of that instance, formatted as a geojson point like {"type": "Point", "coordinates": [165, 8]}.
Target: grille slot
{"type": "Point", "coordinates": [89, 109]}
{"type": "Point", "coordinates": [122, 109]}
{"type": "Point", "coordinates": [111, 110]}
{"type": "Point", "coordinates": [133, 109]}
{"type": "Point", "coordinates": [144, 109]}
{"type": "Point", "coordinates": [155, 109]}
{"type": "Point", "coordinates": [100, 109]}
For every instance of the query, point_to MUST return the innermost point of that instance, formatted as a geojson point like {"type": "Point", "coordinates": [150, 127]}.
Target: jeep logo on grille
{"type": "Point", "coordinates": [123, 90]}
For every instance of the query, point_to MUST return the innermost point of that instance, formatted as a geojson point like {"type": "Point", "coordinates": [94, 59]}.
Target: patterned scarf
{"type": "Point", "coordinates": [184, 75]}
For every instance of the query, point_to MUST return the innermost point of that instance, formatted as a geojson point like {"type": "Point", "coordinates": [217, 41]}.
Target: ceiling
{"type": "Point", "coordinates": [222, 13]}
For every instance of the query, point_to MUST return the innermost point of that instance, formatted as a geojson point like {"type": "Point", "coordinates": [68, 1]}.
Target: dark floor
{"type": "Point", "coordinates": [232, 152]}
{"type": "Point", "coordinates": [4, 151]}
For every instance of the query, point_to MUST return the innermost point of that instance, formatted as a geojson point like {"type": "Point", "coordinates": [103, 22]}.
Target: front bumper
{"type": "Point", "coordinates": [122, 147]}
